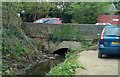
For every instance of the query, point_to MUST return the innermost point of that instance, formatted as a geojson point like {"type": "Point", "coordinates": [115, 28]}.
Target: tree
{"type": "Point", "coordinates": [86, 12]}
{"type": "Point", "coordinates": [58, 11]}
{"type": "Point", "coordinates": [31, 11]}
{"type": "Point", "coordinates": [117, 5]}
{"type": "Point", "coordinates": [37, 10]}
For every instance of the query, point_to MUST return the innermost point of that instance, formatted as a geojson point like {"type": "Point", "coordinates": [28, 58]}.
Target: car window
{"type": "Point", "coordinates": [61, 20]}
{"type": "Point", "coordinates": [112, 31]}
{"type": "Point", "coordinates": [55, 21]}
{"type": "Point", "coordinates": [47, 21]}
{"type": "Point", "coordinates": [39, 21]}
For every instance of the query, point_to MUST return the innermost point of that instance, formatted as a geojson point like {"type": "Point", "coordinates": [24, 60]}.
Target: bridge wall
{"type": "Point", "coordinates": [42, 31]}
{"type": "Point", "coordinates": [88, 31]}
{"type": "Point", "coordinates": [51, 46]}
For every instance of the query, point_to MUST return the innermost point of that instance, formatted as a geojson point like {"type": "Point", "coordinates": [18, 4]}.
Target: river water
{"type": "Point", "coordinates": [43, 67]}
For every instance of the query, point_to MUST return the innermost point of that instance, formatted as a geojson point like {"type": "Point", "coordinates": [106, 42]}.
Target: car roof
{"type": "Point", "coordinates": [111, 26]}
{"type": "Point", "coordinates": [50, 18]}
{"type": "Point", "coordinates": [102, 24]}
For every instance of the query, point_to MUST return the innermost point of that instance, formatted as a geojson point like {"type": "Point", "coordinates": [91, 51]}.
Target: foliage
{"type": "Point", "coordinates": [86, 12]}
{"type": "Point", "coordinates": [66, 32]}
{"type": "Point", "coordinates": [86, 44]}
{"type": "Point", "coordinates": [17, 49]}
{"type": "Point", "coordinates": [13, 47]}
{"type": "Point", "coordinates": [117, 5]}
{"type": "Point", "coordinates": [30, 11]}
{"type": "Point", "coordinates": [37, 9]}
{"type": "Point", "coordinates": [67, 68]}
{"type": "Point", "coordinates": [55, 11]}
{"type": "Point", "coordinates": [75, 12]}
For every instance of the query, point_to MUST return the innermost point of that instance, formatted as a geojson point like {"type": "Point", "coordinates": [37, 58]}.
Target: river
{"type": "Point", "coordinates": [43, 67]}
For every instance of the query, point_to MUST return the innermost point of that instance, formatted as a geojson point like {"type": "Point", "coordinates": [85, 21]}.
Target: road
{"type": "Point", "coordinates": [97, 66]}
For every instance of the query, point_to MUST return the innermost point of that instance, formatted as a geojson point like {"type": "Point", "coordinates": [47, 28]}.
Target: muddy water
{"type": "Point", "coordinates": [42, 68]}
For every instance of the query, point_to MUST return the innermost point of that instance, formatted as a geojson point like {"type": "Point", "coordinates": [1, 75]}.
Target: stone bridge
{"type": "Point", "coordinates": [52, 46]}
{"type": "Point", "coordinates": [62, 36]}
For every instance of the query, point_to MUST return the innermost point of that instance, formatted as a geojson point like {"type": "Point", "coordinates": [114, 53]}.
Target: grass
{"type": "Point", "coordinates": [17, 49]}
{"type": "Point", "coordinates": [68, 67]}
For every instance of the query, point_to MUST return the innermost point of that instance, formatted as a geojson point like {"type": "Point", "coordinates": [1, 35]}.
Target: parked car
{"type": "Point", "coordinates": [49, 20]}
{"type": "Point", "coordinates": [102, 24]}
{"type": "Point", "coordinates": [109, 42]}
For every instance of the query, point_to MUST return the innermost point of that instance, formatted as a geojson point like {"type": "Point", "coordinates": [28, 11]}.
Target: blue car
{"type": "Point", "coordinates": [109, 42]}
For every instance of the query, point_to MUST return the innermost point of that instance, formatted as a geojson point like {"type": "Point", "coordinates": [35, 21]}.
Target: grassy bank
{"type": "Point", "coordinates": [18, 50]}
{"type": "Point", "coordinates": [68, 67]}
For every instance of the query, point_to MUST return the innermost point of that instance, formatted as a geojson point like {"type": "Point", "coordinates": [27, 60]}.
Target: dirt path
{"type": "Point", "coordinates": [96, 66]}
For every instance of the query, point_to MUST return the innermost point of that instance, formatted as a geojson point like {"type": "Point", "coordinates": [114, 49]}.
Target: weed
{"type": "Point", "coordinates": [68, 67]}
{"type": "Point", "coordinates": [66, 33]}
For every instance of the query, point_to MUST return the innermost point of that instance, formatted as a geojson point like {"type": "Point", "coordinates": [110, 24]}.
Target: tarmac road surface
{"type": "Point", "coordinates": [97, 66]}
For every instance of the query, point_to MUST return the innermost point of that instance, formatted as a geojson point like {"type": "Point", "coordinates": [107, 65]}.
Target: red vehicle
{"type": "Point", "coordinates": [49, 20]}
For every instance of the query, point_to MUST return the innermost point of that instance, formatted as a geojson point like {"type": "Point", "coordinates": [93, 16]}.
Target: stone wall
{"type": "Point", "coordinates": [88, 31]}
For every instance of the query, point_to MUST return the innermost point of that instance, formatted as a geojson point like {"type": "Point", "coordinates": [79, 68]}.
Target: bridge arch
{"type": "Point", "coordinates": [61, 51]}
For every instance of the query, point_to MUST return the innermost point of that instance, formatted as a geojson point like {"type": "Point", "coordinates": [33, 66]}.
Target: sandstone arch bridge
{"type": "Point", "coordinates": [56, 37]}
